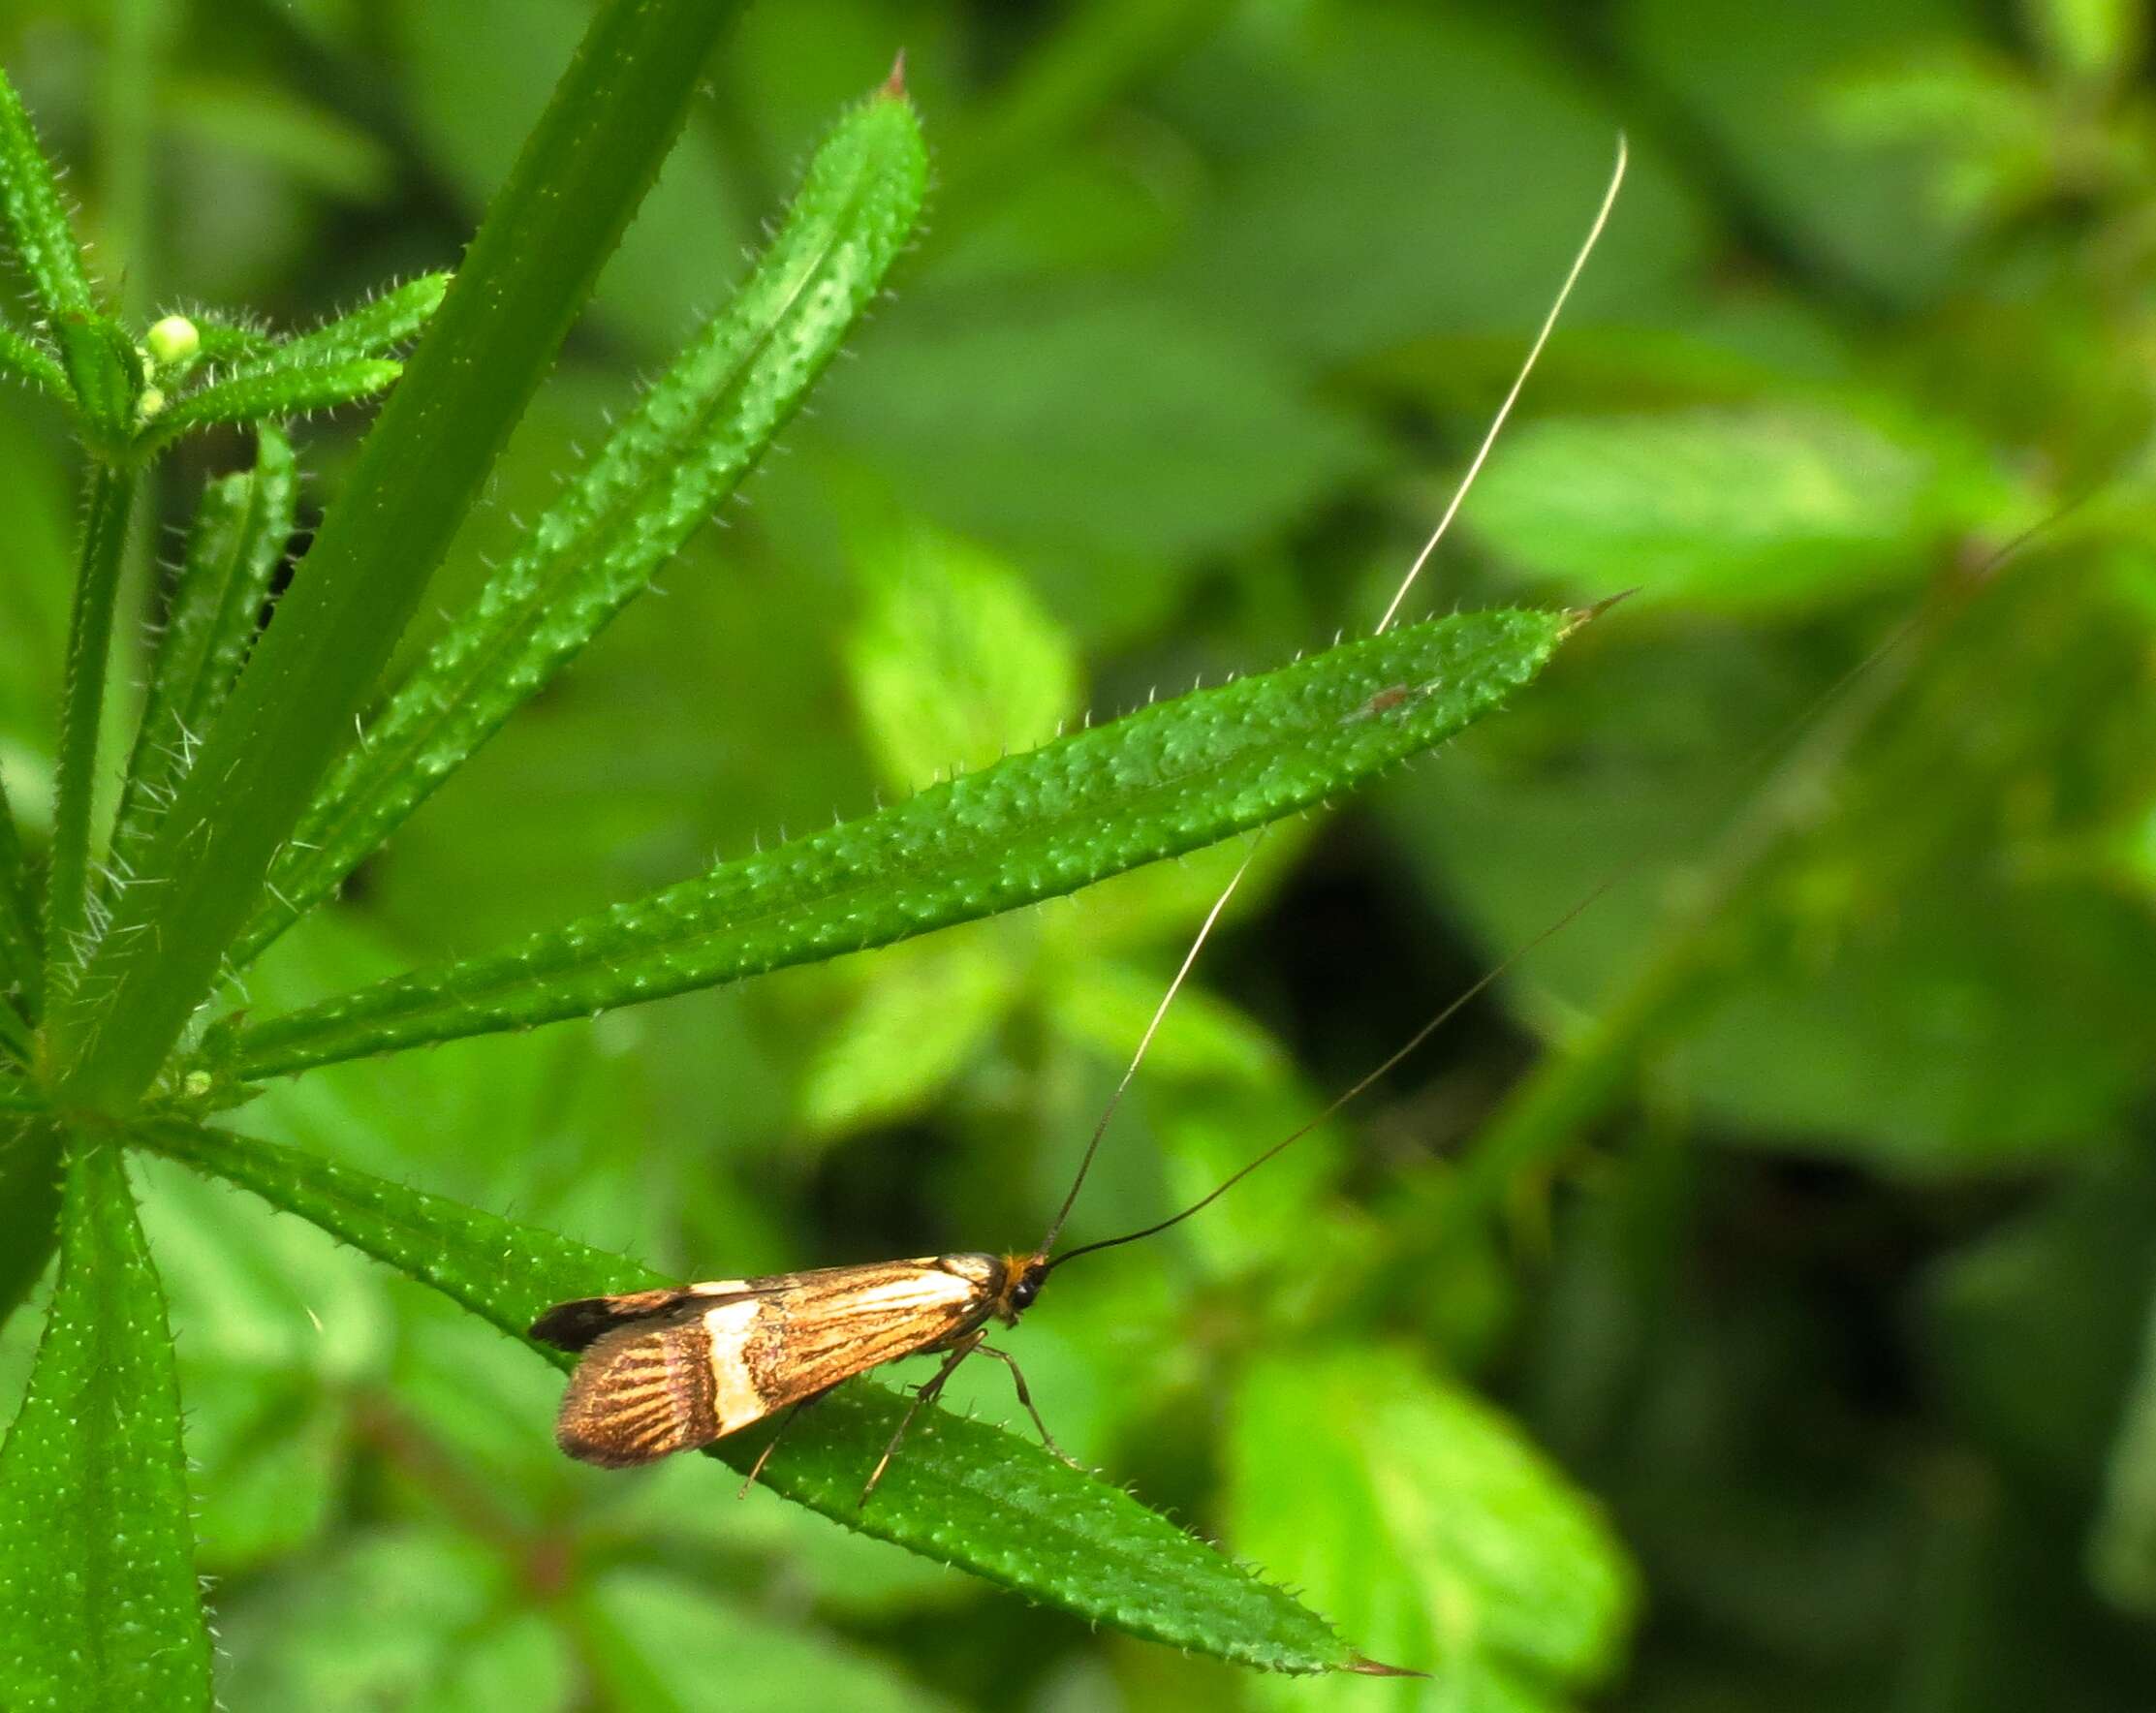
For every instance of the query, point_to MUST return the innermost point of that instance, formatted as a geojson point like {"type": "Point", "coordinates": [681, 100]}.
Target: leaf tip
{"type": "Point", "coordinates": [895, 85]}
{"type": "Point", "coordinates": [1369, 1667]}
{"type": "Point", "coordinates": [1580, 616]}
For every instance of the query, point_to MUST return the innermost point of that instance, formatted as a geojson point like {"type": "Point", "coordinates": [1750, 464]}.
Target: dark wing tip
{"type": "Point", "coordinates": [574, 1325]}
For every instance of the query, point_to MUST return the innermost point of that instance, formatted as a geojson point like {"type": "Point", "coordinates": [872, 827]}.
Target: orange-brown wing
{"type": "Point", "coordinates": [715, 1359]}
{"type": "Point", "coordinates": [640, 1391]}
{"type": "Point", "coordinates": [845, 1321]}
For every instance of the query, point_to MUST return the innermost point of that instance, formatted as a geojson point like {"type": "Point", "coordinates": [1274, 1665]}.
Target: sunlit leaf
{"type": "Point", "coordinates": [1168, 779]}
{"type": "Point", "coordinates": [693, 436]}
{"type": "Point", "coordinates": [1750, 509]}
{"type": "Point", "coordinates": [967, 1494]}
{"type": "Point", "coordinates": [912, 1027]}
{"type": "Point", "coordinates": [36, 220]}
{"type": "Point", "coordinates": [661, 1641]}
{"type": "Point", "coordinates": [272, 391]}
{"type": "Point", "coordinates": [99, 1605]}
{"type": "Point", "coordinates": [953, 663]}
{"type": "Point", "coordinates": [1457, 1548]}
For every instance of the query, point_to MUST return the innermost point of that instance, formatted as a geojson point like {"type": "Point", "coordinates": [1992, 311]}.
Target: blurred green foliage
{"type": "Point", "coordinates": [1825, 1219]}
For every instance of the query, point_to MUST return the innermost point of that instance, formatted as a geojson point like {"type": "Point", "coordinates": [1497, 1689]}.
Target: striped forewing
{"type": "Point", "coordinates": [664, 1371]}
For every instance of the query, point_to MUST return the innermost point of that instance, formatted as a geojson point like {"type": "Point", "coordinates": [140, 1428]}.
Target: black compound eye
{"type": "Point", "coordinates": [1025, 1291]}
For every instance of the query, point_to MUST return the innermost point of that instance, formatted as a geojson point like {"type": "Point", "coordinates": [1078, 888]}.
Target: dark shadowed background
{"type": "Point", "coordinates": [1745, 1305]}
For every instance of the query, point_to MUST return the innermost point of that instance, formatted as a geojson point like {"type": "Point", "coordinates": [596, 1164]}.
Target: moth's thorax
{"type": "Point", "coordinates": [1020, 1283]}
{"type": "Point", "coordinates": [983, 1272]}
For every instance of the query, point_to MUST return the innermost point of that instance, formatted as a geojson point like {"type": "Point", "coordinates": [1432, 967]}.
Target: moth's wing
{"type": "Point", "coordinates": [640, 1391]}
{"type": "Point", "coordinates": [675, 1377]}
{"type": "Point", "coordinates": [841, 1321]}
{"type": "Point", "coordinates": [576, 1326]}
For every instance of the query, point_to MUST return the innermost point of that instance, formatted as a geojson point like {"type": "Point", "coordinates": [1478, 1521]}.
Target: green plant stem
{"type": "Point", "coordinates": [112, 499]}
{"type": "Point", "coordinates": [559, 215]}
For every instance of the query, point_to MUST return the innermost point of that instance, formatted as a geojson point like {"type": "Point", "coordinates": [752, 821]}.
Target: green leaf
{"type": "Point", "coordinates": [233, 342]}
{"type": "Point", "coordinates": [1415, 1507]}
{"type": "Point", "coordinates": [1832, 920]}
{"type": "Point", "coordinates": [2123, 1553]}
{"type": "Point", "coordinates": [272, 391]}
{"type": "Point", "coordinates": [659, 1642]}
{"type": "Point", "coordinates": [285, 1333]}
{"type": "Point", "coordinates": [696, 434]}
{"type": "Point", "coordinates": [390, 1618]}
{"type": "Point", "coordinates": [2040, 1405]}
{"type": "Point", "coordinates": [1108, 1005]}
{"type": "Point", "coordinates": [968, 1495]}
{"type": "Point", "coordinates": [22, 949]}
{"type": "Point", "coordinates": [1750, 82]}
{"type": "Point", "coordinates": [242, 529]}
{"type": "Point", "coordinates": [911, 1029]}
{"type": "Point", "coordinates": [384, 324]}
{"type": "Point", "coordinates": [334, 364]}
{"type": "Point", "coordinates": [1168, 779]}
{"type": "Point", "coordinates": [1770, 507]}
{"type": "Point", "coordinates": [31, 364]}
{"type": "Point", "coordinates": [1385, 171]}
{"type": "Point", "coordinates": [616, 111]}
{"type": "Point", "coordinates": [2089, 40]}
{"type": "Point", "coordinates": [37, 222]}
{"type": "Point", "coordinates": [29, 1206]}
{"type": "Point", "coordinates": [99, 1605]}
{"type": "Point", "coordinates": [310, 143]}
{"type": "Point", "coordinates": [953, 664]}
{"type": "Point", "coordinates": [1987, 133]}
{"type": "Point", "coordinates": [1105, 442]}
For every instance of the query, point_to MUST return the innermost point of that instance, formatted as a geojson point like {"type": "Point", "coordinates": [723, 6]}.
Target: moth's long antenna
{"type": "Point", "coordinates": [1145, 1040]}
{"type": "Point", "coordinates": [1302, 1130]}
{"type": "Point", "coordinates": [1520, 383]}
{"type": "Point", "coordinates": [1399, 595]}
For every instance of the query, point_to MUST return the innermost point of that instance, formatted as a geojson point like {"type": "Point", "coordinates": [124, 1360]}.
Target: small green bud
{"type": "Point", "coordinates": [174, 340]}
{"type": "Point", "coordinates": [149, 405]}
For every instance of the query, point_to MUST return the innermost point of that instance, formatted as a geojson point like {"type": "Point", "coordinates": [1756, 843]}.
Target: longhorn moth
{"type": "Point", "coordinates": [670, 1370]}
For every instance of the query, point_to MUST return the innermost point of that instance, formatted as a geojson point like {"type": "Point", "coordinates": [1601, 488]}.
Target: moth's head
{"type": "Point", "coordinates": [1022, 1283]}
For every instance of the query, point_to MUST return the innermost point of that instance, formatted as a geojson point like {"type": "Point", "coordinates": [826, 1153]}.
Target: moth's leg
{"type": "Point", "coordinates": [771, 1444]}
{"type": "Point", "coordinates": [926, 1394]}
{"type": "Point", "coordinates": [1025, 1397]}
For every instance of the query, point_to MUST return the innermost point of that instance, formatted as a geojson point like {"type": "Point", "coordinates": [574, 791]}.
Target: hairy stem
{"type": "Point", "coordinates": [111, 498]}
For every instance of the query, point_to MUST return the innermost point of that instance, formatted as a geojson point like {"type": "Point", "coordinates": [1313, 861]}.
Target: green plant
{"type": "Point", "coordinates": [247, 802]}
